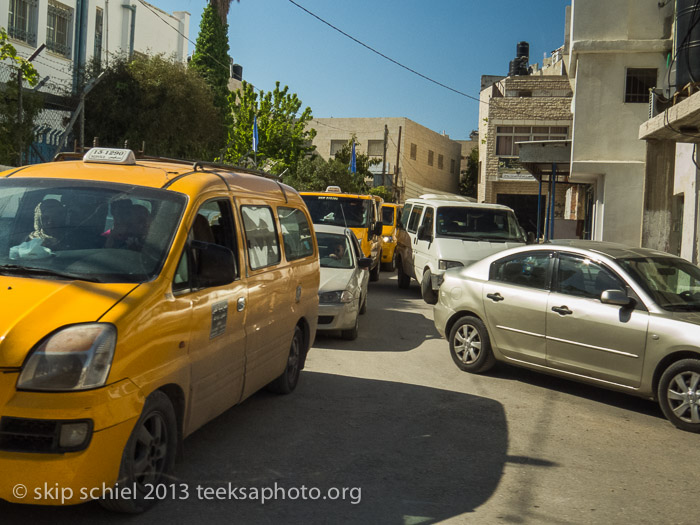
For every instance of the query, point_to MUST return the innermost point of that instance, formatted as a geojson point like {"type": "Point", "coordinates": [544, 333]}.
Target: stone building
{"type": "Point", "coordinates": [427, 162]}
{"type": "Point", "coordinates": [534, 106]}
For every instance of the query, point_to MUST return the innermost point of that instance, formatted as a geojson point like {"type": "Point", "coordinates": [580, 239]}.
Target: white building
{"type": "Point", "coordinates": [76, 31]}
{"type": "Point", "coordinates": [617, 50]}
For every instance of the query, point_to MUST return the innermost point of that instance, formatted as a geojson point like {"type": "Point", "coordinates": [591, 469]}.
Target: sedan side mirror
{"type": "Point", "coordinates": [615, 297]}
{"type": "Point", "coordinates": [365, 263]}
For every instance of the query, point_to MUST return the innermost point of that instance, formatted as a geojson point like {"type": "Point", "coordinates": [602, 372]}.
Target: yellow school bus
{"type": "Point", "coordinates": [358, 212]}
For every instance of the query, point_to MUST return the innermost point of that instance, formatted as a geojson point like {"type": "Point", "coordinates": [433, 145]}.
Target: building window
{"type": "Point", "coordinates": [430, 157]}
{"type": "Point", "coordinates": [22, 20]}
{"type": "Point", "coordinates": [638, 84]}
{"type": "Point", "coordinates": [414, 151]}
{"type": "Point", "coordinates": [507, 136]}
{"type": "Point", "coordinates": [58, 28]}
{"type": "Point", "coordinates": [99, 17]}
{"type": "Point", "coordinates": [336, 146]}
{"type": "Point", "coordinates": [440, 162]}
{"type": "Point", "coordinates": [375, 148]}
{"type": "Point", "coordinates": [453, 164]}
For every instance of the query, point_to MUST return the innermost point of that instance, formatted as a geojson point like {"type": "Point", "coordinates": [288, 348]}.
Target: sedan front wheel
{"type": "Point", "coordinates": [470, 345]}
{"type": "Point", "coordinates": [679, 394]}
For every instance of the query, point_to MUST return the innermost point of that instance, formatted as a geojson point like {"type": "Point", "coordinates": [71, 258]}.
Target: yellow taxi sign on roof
{"type": "Point", "coordinates": [110, 156]}
{"type": "Point", "coordinates": [333, 189]}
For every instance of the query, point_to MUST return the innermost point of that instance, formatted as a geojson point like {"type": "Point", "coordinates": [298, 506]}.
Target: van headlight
{"type": "Point", "coordinates": [77, 357]}
{"type": "Point", "coordinates": [444, 264]}
{"type": "Point", "coordinates": [341, 296]}
{"type": "Point", "coordinates": [387, 238]}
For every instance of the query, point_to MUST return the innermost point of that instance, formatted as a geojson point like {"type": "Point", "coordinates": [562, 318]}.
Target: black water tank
{"type": "Point", "coordinates": [237, 71]}
{"type": "Point", "coordinates": [687, 42]}
{"type": "Point", "coordinates": [518, 67]}
{"type": "Point", "coordinates": [523, 50]}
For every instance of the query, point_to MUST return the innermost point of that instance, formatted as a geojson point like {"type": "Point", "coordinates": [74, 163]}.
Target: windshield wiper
{"type": "Point", "coordinates": [684, 307]}
{"type": "Point", "coordinates": [30, 270]}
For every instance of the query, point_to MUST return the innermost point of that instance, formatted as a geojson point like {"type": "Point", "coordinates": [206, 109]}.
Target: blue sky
{"type": "Point", "coordinates": [451, 41]}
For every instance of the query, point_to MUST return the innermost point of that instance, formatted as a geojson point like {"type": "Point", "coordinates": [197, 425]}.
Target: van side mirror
{"type": "Point", "coordinates": [615, 297]}
{"type": "Point", "coordinates": [530, 236]}
{"type": "Point", "coordinates": [424, 234]}
{"type": "Point", "coordinates": [377, 228]}
{"type": "Point", "coordinates": [215, 264]}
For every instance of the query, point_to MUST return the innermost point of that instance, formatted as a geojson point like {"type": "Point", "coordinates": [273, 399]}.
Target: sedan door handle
{"type": "Point", "coordinates": [562, 310]}
{"type": "Point", "coordinates": [495, 297]}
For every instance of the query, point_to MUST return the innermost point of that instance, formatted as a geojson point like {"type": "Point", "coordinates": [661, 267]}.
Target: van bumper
{"type": "Point", "coordinates": [34, 472]}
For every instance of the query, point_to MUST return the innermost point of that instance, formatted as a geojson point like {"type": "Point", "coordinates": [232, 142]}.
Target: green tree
{"type": "Point", "coordinates": [156, 101]}
{"type": "Point", "coordinates": [468, 186]}
{"type": "Point", "coordinates": [13, 133]}
{"type": "Point", "coordinates": [210, 58]}
{"type": "Point", "coordinates": [282, 135]}
{"type": "Point", "coordinates": [383, 192]}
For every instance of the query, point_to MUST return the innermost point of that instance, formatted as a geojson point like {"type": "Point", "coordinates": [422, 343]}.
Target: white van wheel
{"type": "Point", "coordinates": [430, 296]}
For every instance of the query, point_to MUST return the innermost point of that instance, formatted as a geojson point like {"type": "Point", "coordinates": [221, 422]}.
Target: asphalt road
{"type": "Point", "coordinates": [386, 429]}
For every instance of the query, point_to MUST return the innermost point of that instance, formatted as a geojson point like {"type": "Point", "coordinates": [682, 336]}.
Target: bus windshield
{"type": "Point", "coordinates": [351, 212]}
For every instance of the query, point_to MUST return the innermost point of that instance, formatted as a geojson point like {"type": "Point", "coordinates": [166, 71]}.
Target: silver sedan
{"type": "Point", "coordinates": [622, 318]}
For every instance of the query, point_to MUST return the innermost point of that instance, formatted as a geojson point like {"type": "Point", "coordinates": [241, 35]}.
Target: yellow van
{"type": "Point", "coordinates": [360, 213]}
{"type": "Point", "coordinates": [391, 214]}
{"type": "Point", "coordinates": [141, 299]}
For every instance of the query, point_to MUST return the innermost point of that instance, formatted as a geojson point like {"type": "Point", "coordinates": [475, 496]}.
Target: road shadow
{"type": "Point", "coordinates": [416, 454]}
{"type": "Point", "coordinates": [575, 388]}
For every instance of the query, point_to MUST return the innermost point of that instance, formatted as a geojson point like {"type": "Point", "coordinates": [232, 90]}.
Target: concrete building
{"type": "Point", "coordinates": [615, 51]}
{"type": "Point", "coordinates": [533, 105]}
{"type": "Point", "coordinates": [427, 162]}
{"type": "Point", "coordinates": [76, 31]}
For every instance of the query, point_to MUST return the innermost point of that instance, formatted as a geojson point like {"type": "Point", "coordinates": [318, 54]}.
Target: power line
{"type": "Point", "coordinates": [383, 55]}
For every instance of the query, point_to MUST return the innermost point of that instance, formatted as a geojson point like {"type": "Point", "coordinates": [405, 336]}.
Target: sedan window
{"type": "Point", "coordinates": [527, 269]}
{"type": "Point", "coordinates": [584, 278]}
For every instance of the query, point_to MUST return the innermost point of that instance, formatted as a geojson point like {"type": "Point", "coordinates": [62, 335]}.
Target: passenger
{"type": "Point", "coordinates": [49, 223]}
{"type": "Point", "coordinates": [130, 227]}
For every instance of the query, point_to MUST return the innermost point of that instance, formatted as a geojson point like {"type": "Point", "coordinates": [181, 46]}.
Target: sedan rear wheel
{"type": "Point", "coordinates": [679, 394]}
{"type": "Point", "coordinates": [470, 345]}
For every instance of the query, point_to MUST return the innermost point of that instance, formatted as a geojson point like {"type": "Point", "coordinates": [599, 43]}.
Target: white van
{"type": "Point", "coordinates": [438, 232]}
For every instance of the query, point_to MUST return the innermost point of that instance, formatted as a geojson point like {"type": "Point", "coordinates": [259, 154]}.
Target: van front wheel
{"type": "Point", "coordinates": [149, 455]}
{"type": "Point", "coordinates": [430, 296]}
{"type": "Point", "coordinates": [404, 279]}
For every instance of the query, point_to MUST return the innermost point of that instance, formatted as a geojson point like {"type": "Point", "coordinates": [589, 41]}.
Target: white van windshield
{"type": "Point", "coordinates": [481, 224]}
{"type": "Point", "coordinates": [69, 229]}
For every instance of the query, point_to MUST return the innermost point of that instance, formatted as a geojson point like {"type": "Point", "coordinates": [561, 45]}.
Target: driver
{"type": "Point", "coordinates": [49, 220]}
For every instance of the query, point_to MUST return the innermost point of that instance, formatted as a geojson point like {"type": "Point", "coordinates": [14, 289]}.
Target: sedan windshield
{"type": "Point", "coordinates": [339, 211]}
{"type": "Point", "coordinates": [673, 283]}
{"type": "Point", "coordinates": [334, 250]}
{"type": "Point", "coordinates": [64, 229]}
{"type": "Point", "coordinates": [481, 224]}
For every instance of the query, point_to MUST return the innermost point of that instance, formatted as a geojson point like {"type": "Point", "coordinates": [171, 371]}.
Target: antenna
{"type": "Point", "coordinates": [342, 211]}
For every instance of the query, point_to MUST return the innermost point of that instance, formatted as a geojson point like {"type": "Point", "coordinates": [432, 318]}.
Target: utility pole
{"type": "Point", "coordinates": [386, 136]}
{"type": "Point", "coordinates": [20, 105]}
{"type": "Point", "coordinates": [397, 193]}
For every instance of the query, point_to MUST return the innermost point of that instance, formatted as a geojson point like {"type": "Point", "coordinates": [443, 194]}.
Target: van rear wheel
{"type": "Point", "coordinates": [287, 382]}
{"type": "Point", "coordinates": [430, 296]}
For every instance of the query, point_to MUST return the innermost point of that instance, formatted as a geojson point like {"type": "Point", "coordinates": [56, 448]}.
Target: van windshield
{"type": "Point", "coordinates": [482, 224]}
{"type": "Point", "coordinates": [387, 215]}
{"type": "Point", "coordinates": [351, 212]}
{"type": "Point", "coordinates": [89, 231]}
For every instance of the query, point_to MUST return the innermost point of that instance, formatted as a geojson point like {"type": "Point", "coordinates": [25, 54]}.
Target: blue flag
{"type": "Point", "coordinates": [353, 166]}
{"type": "Point", "coordinates": [255, 133]}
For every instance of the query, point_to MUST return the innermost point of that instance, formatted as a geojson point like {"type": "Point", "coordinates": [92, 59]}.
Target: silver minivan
{"type": "Point", "coordinates": [438, 232]}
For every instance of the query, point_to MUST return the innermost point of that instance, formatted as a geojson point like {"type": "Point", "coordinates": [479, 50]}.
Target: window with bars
{"type": "Point", "coordinates": [431, 155]}
{"type": "Point", "coordinates": [22, 20]}
{"type": "Point", "coordinates": [453, 164]}
{"type": "Point", "coordinates": [58, 28]}
{"type": "Point", "coordinates": [441, 162]}
{"type": "Point", "coordinates": [507, 136]}
{"type": "Point", "coordinates": [638, 83]}
{"type": "Point", "coordinates": [375, 148]}
{"type": "Point", "coordinates": [414, 151]}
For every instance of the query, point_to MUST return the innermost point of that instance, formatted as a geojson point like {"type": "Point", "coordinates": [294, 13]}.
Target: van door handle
{"type": "Point", "coordinates": [495, 297]}
{"type": "Point", "coordinates": [562, 310]}
{"type": "Point", "coordinates": [240, 304]}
